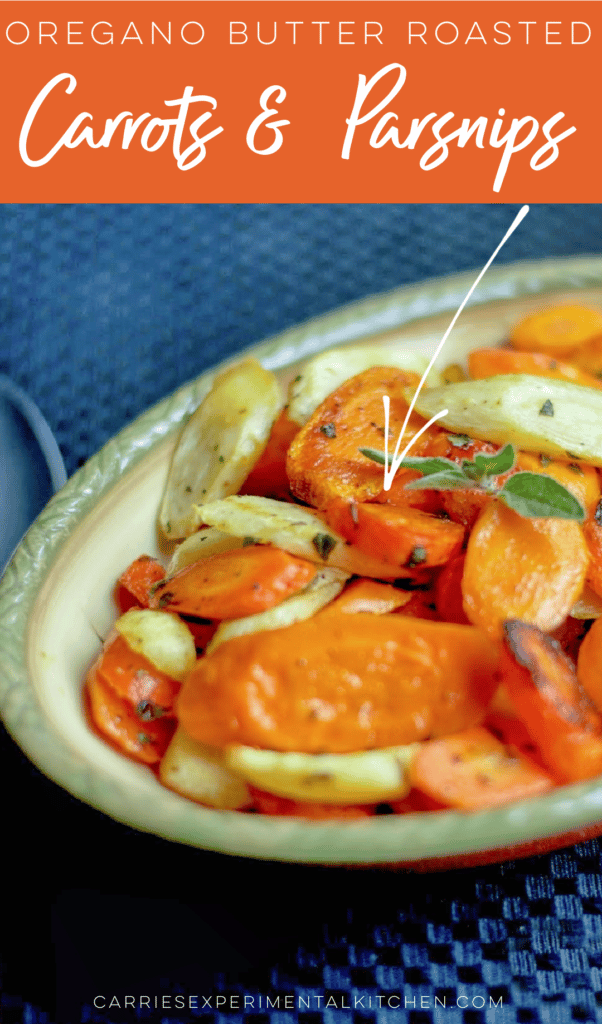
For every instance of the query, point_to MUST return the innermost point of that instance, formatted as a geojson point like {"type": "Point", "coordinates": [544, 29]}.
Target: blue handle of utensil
{"type": "Point", "coordinates": [31, 465]}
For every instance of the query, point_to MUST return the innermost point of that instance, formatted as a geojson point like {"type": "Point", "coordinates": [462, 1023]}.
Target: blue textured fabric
{"type": "Point", "coordinates": [104, 310]}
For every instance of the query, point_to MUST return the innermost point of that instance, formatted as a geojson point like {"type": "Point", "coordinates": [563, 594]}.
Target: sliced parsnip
{"type": "Point", "coordinates": [220, 443]}
{"type": "Point", "coordinates": [368, 776]}
{"type": "Point", "coordinates": [197, 771]}
{"type": "Point", "coordinates": [293, 528]}
{"type": "Point", "coordinates": [325, 586]}
{"type": "Point", "coordinates": [200, 545]}
{"type": "Point", "coordinates": [320, 376]}
{"type": "Point", "coordinates": [536, 414]}
{"type": "Point", "coordinates": [161, 638]}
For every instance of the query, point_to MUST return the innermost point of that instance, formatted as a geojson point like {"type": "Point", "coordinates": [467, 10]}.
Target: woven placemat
{"type": "Point", "coordinates": [104, 310]}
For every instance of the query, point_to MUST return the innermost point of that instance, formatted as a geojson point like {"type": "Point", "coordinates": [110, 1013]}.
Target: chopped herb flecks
{"type": "Point", "coordinates": [460, 440]}
{"type": "Point", "coordinates": [148, 712]}
{"type": "Point", "coordinates": [323, 544]}
{"type": "Point", "coordinates": [328, 429]}
{"type": "Point", "coordinates": [547, 408]}
{"type": "Point", "coordinates": [418, 556]}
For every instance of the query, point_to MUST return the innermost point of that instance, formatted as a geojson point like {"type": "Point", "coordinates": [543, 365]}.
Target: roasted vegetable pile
{"type": "Point", "coordinates": [325, 647]}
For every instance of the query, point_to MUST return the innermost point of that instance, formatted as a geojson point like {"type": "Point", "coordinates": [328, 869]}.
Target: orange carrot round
{"type": "Point", "coordinates": [472, 770]}
{"type": "Point", "coordinates": [517, 568]}
{"type": "Point", "coordinates": [234, 583]}
{"type": "Point", "coordinates": [134, 586]}
{"type": "Point", "coordinates": [490, 362]}
{"type": "Point", "coordinates": [134, 678]}
{"type": "Point", "coordinates": [114, 717]}
{"type": "Point", "coordinates": [559, 331]}
{"type": "Point", "coordinates": [405, 537]}
{"type": "Point", "coordinates": [324, 460]}
{"type": "Point", "coordinates": [339, 683]}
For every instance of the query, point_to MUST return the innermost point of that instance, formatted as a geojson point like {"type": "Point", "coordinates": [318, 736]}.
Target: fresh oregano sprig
{"type": "Point", "coordinates": [532, 495]}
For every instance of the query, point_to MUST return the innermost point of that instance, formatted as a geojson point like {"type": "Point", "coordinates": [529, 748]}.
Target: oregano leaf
{"type": "Point", "coordinates": [440, 482]}
{"type": "Point", "coordinates": [428, 467]}
{"type": "Point", "coordinates": [500, 462]}
{"type": "Point", "coordinates": [376, 456]}
{"type": "Point", "coordinates": [419, 463]}
{"type": "Point", "coordinates": [537, 496]}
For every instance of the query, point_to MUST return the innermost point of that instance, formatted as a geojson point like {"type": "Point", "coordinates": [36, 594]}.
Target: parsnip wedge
{"type": "Point", "coordinates": [295, 529]}
{"type": "Point", "coordinates": [322, 374]}
{"type": "Point", "coordinates": [161, 638]}
{"type": "Point", "coordinates": [536, 414]}
{"type": "Point", "coordinates": [220, 443]}
{"type": "Point", "coordinates": [368, 776]}
{"type": "Point", "coordinates": [325, 586]}
{"type": "Point", "coordinates": [200, 545]}
{"type": "Point", "coordinates": [198, 772]}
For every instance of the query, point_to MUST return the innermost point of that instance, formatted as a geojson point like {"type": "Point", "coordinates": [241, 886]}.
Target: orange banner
{"type": "Point", "coordinates": [300, 101]}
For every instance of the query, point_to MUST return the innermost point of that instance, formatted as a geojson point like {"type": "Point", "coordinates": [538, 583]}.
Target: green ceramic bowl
{"type": "Point", "coordinates": [55, 599]}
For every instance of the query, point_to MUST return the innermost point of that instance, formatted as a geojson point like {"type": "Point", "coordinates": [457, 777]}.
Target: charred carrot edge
{"type": "Point", "coordinates": [543, 687]}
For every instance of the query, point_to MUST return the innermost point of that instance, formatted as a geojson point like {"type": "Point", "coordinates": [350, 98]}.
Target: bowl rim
{"type": "Point", "coordinates": [378, 840]}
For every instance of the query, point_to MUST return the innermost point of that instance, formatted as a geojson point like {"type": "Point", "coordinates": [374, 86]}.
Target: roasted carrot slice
{"type": "Point", "coordinates": [146, 740]}
{"type": "Point", "coordinates": [465, 506]}
{"type": "Point", "coordinates": [559, 331]}
{"type": "Point", "coordinates": [324, 460]}
{"type": "Point", "coordinates": [531, 569]}
{"type": "Point", "coordinates": [448, 591]}
{"type": "Point", "coordinates": [340, 683]}
{"type": "Point", "coordinates": [365, 595]}
{"type": "Point", "coordinates": [267, 803]}
{"type": "Point", "coordinates": [268, 477]}
{"type": "Point", "coordinates": [589, 664]}
{"type": "Point", "coordinates": [135, 679]}
{"type": "Point", "coordinates": [134, 586]}
{"type": "Point", "coordinates": [490, 362]}
{"type": "Point", "coordinates": [234, 583]}
{"type": "Point", "coordinates": [543, 687]}
{"type": "Point", "coordinates": [401, 536]}
{"type": "Point", "coordinates": [473, 770]}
